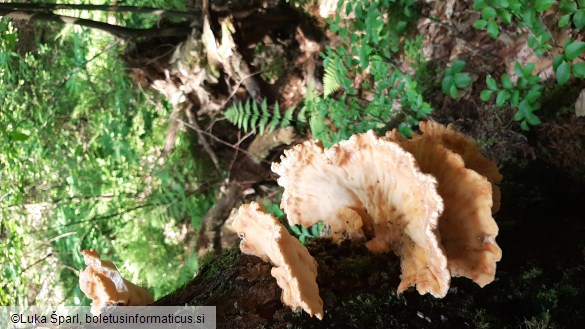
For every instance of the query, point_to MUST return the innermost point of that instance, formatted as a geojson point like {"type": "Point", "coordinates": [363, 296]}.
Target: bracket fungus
{"type": "Point", "coordinates": [294, 268]}
{"type": "Point", "coordinates": [468, 149]}
{"type": "Point", "coordinates": [429, 200]}
{"type": "Point", "coordinates": [466, 226]}
{"type": "Point", "coordinates": [369, 188]}
{"type": "Point", "coordinates": [104, 285]}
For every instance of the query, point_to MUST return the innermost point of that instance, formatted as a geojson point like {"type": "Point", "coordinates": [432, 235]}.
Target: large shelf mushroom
{"type": "Point", "coordinates": [466, 226]}
{"type": "Point", "coordinates": [371, 188]}
{"type": "Point", "coordinates": [469, 151]}
{"type": "Point", "coordinates": [429, 200]}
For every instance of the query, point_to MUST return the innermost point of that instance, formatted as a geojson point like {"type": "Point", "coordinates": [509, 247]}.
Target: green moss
{"type": "Point", "coordinates": [212, 263]}
{"type": "Point", "coordinates": [542, 321]}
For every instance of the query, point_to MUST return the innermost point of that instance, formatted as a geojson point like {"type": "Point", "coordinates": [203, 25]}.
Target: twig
{"type": "Point", "coordinates": [35, 263]}
{"type": "Point", "coordinates": [191, 116]}
{"type": "Point", "coordinates": [116, 214]}
{"type": "Point", "coordinates": [238, 86]}
{"type": "Point", "coordinates": [209, 233]}
{"type": "Point", "coordinates": [240, 140]}
{"type": "Point", "coordinates": [215, 138]}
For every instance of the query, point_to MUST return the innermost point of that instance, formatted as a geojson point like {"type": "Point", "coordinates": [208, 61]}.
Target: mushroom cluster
{"type": "Point", "coordinates": [428, 199]}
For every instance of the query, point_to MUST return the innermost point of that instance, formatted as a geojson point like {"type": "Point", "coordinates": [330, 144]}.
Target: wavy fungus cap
{"type": "Point", "coordinates": [294, 268]}
{"type": "Point", "coordinates": [369, 188]}
{"type": "Point", "coordinates": [468, 149]}
{"type": "Point", "coordinates": [466, 227]}
{"type": "Point", "coordinates": [104, 285]}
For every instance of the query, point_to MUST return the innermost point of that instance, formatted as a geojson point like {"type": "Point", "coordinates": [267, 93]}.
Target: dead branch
{"type": "Point", "coordinates": [201, 139]}
{"type": "Point", "coordinates": [210, 231]}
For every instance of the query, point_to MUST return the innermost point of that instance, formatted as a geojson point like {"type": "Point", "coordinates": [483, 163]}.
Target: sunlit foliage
{"type": "Point", "coordinates": [81, 167]}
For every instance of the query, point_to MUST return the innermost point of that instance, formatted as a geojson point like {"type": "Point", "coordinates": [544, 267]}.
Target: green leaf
{"type": "Point", "coordinates": [488, 13]}
{"type": "Point", "coordinates": [505, 16]}
{"type": "Point", "coordinates": [255, 116]}
{"type": "Point", "coordinates": [574, 50]}
{"type": "Point", "coordinates": [263, 118]}
{"type": "Point", "coordinates": [275, 117]}
{"type": "Point", "coordinates": [533, 94]}
{"type": "Point", "coordinates": [563, 73]}
{"type": "Point", "coordinates": [287, 118]}
{"type": "Point", "coordinates": [485, 95]}
{"type": "Point", "coordinates": [245, 120]}
{"type": "Point", "coordinates": [518, 69]}
{"type": "Point", "coordinates": [515, 99]}
{"type": "Point", "coordinates": [579, 70]}
{"type": "Point", "coordinates": [315, 231]}
{"type": "Point", "coordinates": [491, 83]}
{"type": "Point", "coordinates": [564, 20]}
{"type": "Point", "coordinates": [528, 68]}
{"type": "Point", "coordinates": [507, 82]}
{"type": "Point", "coordinates": [543, 5]}
{"type": "Point", "coordinates": [462, 80]}
{"type": "Point", "coordinates": [303, 239]}
{"type": "Point", "coordinates": [295, 230]}
{"type": "Point", "coordinates": [447, 83]}
{"type": "Point", "coordinates": [532, 119]}
{"type": "Point", "coordinates": [567, 6]}
{"type": "Point", "coordinates": [479, 4]}
{"type": "Point", "coordinates": [480, 24]}
{"type": "Point", "coordinates": [458, 66]}
{"type": "Point", "coordinates": [453, 91]}
{"type": "Point", "coordinates": [521, 83]}
{"type": "Point", "coordinates": [524, 108]}
{"type": "Point", "coordinates": [492, 29]}
{"type": "Point", "coordinates": [529, 17]}
{"type": "Point", "coordinates": [502, 97]}
{"type": "Point", "coordinates": [579, 19]}
{"type": "Point", "coordinates": [18, 136]}
{"type": "Point", "coordinates": [557, 60]}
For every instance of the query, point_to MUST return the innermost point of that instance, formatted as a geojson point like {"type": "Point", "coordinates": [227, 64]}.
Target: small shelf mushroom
{"type": "Point", "coordinates": [104, 285]}
{"type": "Point", "coordinates": [294, 268]}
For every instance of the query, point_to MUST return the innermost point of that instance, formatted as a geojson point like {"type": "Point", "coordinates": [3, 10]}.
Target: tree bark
{"type": "Point", "coordinates": [119, 31]}
{"type": "Point", "coordinates": [45, 7]}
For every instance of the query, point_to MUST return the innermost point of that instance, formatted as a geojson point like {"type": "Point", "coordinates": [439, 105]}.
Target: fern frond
{"type": "Point", "coordinates": [275, 118]}
{"type": "Point", "coordinates": [264, 118]}
{"type": "Point", "coordinates": [250, 117]}
{"type": "Point", "coordinates": [255, 115]}
{"type": "Point", "coordinates": [287, 118]}
{"type": "Point", "coordinates": [331, 82]}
